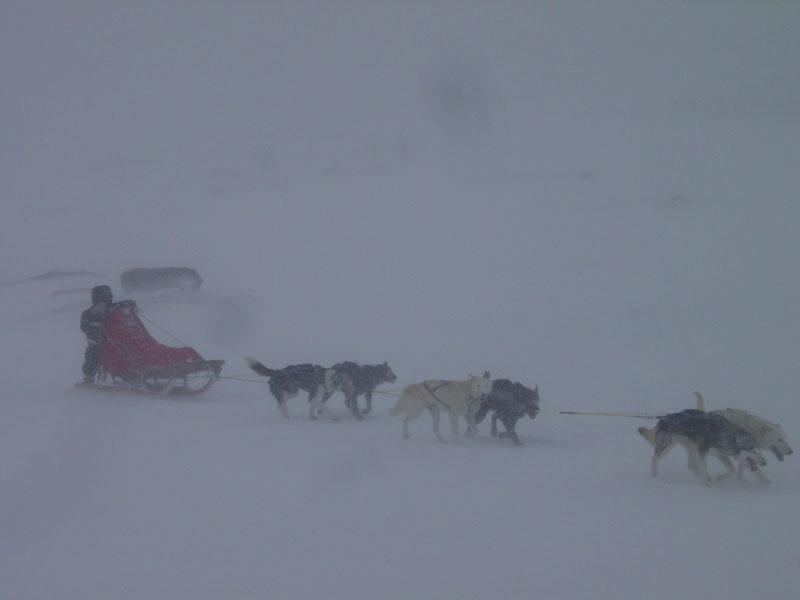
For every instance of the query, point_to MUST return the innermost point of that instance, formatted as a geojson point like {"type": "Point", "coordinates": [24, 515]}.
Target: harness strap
{"type": "Point", "coordinates": [432, 392]}
{"type": "Point", "coordinates": [290, 378]}
{"type": "Point", "coordinates": [295, 381]}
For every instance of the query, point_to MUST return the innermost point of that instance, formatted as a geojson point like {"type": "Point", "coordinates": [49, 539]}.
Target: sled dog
{"type": "Point", "coordinates": [285, 383]}
{"type": "Point", "coordinates": [457, 398]}
{"type": "Point", "coordinates": [354, 380]}
{"type": "Point", "coordinates": [510, 402]}
{"type": "Point", "coordinates": [770, 436]}
{"type": "Point", "coordinates": [702, 433]}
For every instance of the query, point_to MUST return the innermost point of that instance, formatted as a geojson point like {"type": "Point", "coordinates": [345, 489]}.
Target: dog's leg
{"type": "Point", "coordinates": [511, 428]}
{"type": "Point", "coordinates": [412, 410]}
{"type": "Point", "coordinates": [663, 443]}
{"type": "Point", "coordinates": [692, 463]}
{"type": "Point", "coordinates": [368, 398]}
{"type": "Point", "coordinates": [481, 414]}
{"type": "Point", "coordinates": [454, 426]}
{"type": "Point", "coordinates": [657, 456]}
{"type": "Point", "coordinates": [313, 411]}
{"type": "Point", "coordinates": [327, 395]}
{"type": "Point", "coordinates": [472, 426]}
{"type": "Point", "coordinates": [351, 400]}
{"type": "Point", "coordinates": [740, 471]}
{"type": "Point", "coordinates": [494, 424]}
{"type": "Point", "coordinates": [758, 472]}
{"type": "Point", "coordinates": [282, 400]}
{"type": "Point", "coordinates": [317, 406]}
{"type": "Point", "coordinates": [281, 397]}
{"type": "Point", "coordinates": [702, 466]}
{"type": "Point", "coordinates": [436, 414]}
{"type": "Point", "coordinates": [697, 460]}
{"type": "Point", "coordinates": [348, 403]}
{"type": "Point", "coordinates": [328, 384]}
{"type": "Point", "coordinates": [729, 468]}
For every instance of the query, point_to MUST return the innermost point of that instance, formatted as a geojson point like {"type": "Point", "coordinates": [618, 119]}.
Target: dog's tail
{"type": "Point", "coordinates": [648, 434]}
{"type": "Point", "coordinates": [259, 368]}
{"type": "Point", "coordinates": [701, 404]}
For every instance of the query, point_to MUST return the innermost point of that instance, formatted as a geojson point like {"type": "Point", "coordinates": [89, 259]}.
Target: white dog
{"type": "Point", "coordinates": [770, 436]}
{"type": "Point", "coordinates": [458, 398]}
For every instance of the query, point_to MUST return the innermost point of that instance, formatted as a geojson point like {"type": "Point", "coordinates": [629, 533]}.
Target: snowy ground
{"type": "Point", "coordinates": [596, 198]}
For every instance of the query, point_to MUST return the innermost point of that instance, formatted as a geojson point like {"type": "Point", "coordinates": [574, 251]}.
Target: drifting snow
{"type": "Point", "coordinates": [598, 200]}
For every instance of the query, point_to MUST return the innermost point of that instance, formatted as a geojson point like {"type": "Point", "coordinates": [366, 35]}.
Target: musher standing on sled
{"type": "Point", "coordinates": [92, 320]}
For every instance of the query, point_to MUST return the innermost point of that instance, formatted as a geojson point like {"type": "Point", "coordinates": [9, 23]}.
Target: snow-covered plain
{"type": "Point", "coordinates": [597, 198]}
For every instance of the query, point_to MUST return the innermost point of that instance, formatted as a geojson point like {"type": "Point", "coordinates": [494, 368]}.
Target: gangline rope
{"type": "Point", "coordinates": [396, 393]}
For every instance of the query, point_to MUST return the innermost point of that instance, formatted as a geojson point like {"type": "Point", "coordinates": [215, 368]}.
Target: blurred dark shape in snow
{"type": "Point", "coordinates": [162, 278]}
{"type": "Point", "coordinates": [457, 97]}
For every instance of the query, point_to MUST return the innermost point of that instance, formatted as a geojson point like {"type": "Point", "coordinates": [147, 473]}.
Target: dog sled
{"type": "Point", "coordinates": [131, 361]}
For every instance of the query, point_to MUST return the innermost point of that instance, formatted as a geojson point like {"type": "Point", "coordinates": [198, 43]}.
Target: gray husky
{"type": "Point", "coordinates": [353, 380]}
{"type": "Point", "coordinates": [510, 402]}
{"type": "Point", "coordinates": [702, 433]}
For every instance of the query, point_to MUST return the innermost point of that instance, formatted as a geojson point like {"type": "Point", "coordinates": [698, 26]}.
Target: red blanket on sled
{"type": "Point", "coordinates": [128, 348]}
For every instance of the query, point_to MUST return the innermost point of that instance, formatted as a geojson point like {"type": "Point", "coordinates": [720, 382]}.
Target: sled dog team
{"type": "Point", "coordinates": [727, 434]}
{"type": "Point", "coordinates": [471, 399]}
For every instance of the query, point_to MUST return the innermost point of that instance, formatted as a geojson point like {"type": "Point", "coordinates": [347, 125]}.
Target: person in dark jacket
{"type": "Point", "coordinates": [92, 320]}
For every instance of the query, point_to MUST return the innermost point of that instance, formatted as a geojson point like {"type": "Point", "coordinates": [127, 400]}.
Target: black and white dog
{"type": "Point", "coordinates": [702, 433]}
{"type": "Point", "coordinates": [353, 380]}
{"type": "Point", "coordinates": [510, 402]}
{"type": "Point", "coordinates": [285, 383]}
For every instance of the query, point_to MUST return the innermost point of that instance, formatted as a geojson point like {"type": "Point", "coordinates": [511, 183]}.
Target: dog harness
{"type": "Point", "coordinates": [285, 371]}
{"type": "Point", "coordinates": [432, 391]}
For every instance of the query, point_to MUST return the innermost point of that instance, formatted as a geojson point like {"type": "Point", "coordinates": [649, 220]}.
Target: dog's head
{"type": "Point", "coordinates": [529, 399]}
{"type": "Point", "coordinates": [386, 374]}
{"type": "Point", "coordinates": [480, 387]}
{"type": "Point", "coordinates": [773, 438]}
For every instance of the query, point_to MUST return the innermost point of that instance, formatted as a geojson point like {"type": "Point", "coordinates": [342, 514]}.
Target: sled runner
{"type": "Point", "coordinates": [132, 361]}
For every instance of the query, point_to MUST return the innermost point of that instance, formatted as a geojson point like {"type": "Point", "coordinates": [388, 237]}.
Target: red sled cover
{"type": "Point", "coordinates": [128, 348]}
